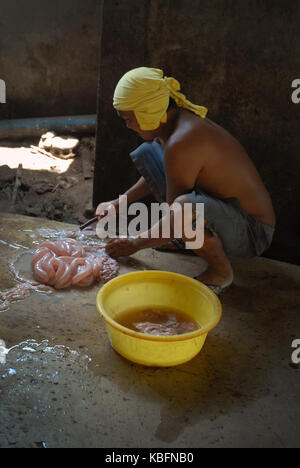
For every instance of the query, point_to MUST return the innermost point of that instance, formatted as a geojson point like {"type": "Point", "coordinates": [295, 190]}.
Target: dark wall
{"type": "Point", "coordinates": [49, 57]}
{"type": "Point", "coordinates": [124, 46]}
{"type": "Point", "coordinates": [239, 59]}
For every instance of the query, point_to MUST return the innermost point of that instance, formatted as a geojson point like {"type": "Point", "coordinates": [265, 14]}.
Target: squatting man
{"type": "Point", "coordinates": [187, 158]}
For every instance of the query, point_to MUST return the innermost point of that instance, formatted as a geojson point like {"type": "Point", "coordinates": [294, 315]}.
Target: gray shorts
{"type": "Point", "coordinates": [241, 234]}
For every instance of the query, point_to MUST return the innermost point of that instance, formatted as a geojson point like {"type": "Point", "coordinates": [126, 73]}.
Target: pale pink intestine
{"type": "Point", "coordinates": [67, 262]}
{"type": "Point", "coordinates": [61, 264]}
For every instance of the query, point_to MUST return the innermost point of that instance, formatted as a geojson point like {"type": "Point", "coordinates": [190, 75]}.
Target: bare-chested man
{"type": "Point", "coordinates": [190, 159]}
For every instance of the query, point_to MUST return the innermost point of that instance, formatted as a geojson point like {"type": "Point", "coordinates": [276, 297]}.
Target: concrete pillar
{"type": "Point", "coordinates": [124, 46]}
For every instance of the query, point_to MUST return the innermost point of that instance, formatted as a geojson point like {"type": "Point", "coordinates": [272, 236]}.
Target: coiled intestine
{"type": "Point", "coordinates": [67, 262]}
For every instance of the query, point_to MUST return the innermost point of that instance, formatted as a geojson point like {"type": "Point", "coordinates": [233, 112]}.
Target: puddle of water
{"type": "Point", "coordinates": [69, 233]}
{"type": "Point", "coordinates": [12, 246]}
{"type": "Point", "coordinates": [20, 268]}
{"type": "Point", "coordinates": [8, 373]}
{"type": "Point", "coordinates": [3, 352]}
{"type": "Point", "coordinates": [87, 237]}
{"type": "Point", "coordinates": [51, 398]}
{"type": "Point", "coordinates": [20, 264]}
{"type": "Point", "coordinates": [35, 354]}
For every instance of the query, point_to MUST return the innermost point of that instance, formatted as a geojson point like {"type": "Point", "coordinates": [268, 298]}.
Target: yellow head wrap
{"type": "Point", "coordinates": [146, 92]}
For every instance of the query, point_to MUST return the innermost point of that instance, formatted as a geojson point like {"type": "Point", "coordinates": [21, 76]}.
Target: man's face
{"type": "Point", "coordinates": [132, 124]}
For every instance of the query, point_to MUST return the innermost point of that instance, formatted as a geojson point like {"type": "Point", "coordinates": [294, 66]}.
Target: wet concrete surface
{"type": "Point", "coordinates": [64, 386]}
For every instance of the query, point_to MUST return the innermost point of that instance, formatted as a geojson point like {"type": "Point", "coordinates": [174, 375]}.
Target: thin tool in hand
{"type": "Point", "coordinates": [91, 221]}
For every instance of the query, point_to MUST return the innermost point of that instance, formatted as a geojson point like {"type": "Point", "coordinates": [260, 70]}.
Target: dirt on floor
{"type": "Point", "coordinates": [40, 185]}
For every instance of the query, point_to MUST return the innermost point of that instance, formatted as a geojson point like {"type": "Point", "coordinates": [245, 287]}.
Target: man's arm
{"type": "Point", "coordinates": [181, 178]}
{"type": "Point", "coordinates": [182, 168]}
{"type": "Point", "coordinates": [136, 192]}
{"type": "Point", "coordinates": [140, 190]}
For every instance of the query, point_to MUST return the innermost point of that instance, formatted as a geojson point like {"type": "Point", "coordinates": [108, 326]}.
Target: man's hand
{"type": "Point", "coordinates": [122, 247]}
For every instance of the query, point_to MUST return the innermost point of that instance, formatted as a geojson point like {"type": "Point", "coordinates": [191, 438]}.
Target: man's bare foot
{"type": "Point", "coordinates": [219, 271]}
{"type": "Point", "coordinates": [222, 276]}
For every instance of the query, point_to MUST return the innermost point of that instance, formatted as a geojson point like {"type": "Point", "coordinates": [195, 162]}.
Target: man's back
{"type": "Point", "coordinates": [219, 165]}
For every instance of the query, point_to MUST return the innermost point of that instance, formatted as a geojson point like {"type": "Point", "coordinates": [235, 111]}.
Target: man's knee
{"type": "Point", "coordinates": [183, 200]}
{"type": "Point", "coordinates": [191, 224]}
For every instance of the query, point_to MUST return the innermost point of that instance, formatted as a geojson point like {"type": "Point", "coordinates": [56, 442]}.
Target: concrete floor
{"type": "Point", "coordinates": [64, 386]}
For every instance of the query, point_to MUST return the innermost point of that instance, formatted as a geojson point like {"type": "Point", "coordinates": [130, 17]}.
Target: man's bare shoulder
{"type": "Point", "coordinates": [189, 136]}
{"type": "Point", "coordinates": [184, 154]}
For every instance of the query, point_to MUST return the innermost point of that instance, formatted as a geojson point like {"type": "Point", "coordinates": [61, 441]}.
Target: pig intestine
{"type": "Point", "coordinates": [67, 262]}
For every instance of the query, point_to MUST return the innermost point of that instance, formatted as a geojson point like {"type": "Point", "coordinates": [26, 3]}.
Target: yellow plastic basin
{"type": "Point", "coordinates": [158, 289]}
